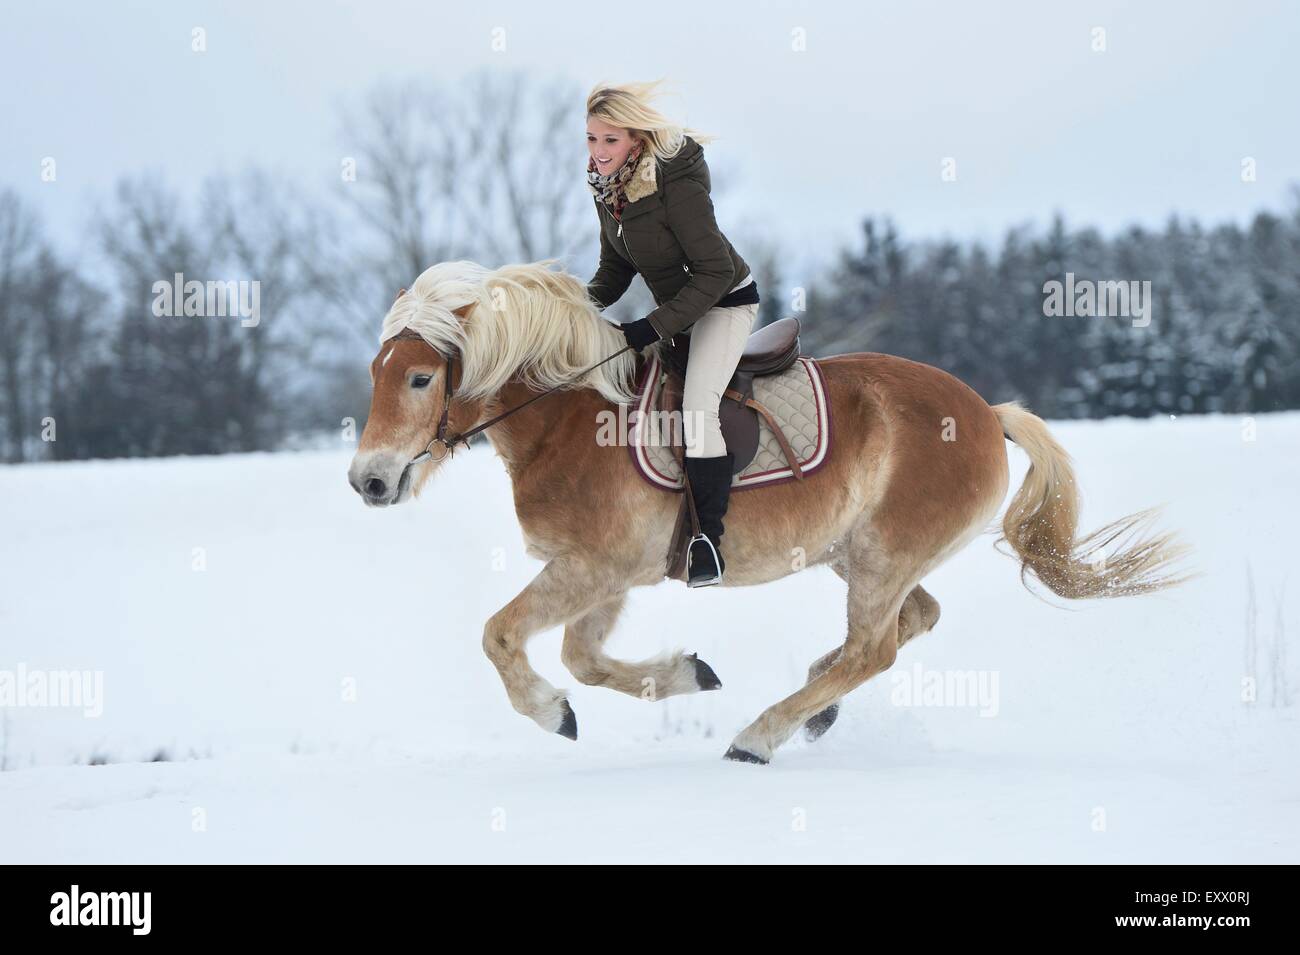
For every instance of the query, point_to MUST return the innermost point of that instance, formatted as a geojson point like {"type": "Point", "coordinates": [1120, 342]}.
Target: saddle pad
{"type": "Point", "coordinates": [797, 399]}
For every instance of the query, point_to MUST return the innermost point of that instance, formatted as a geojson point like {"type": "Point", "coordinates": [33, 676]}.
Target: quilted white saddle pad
{"type": "Point", "coordinates": [797, 399]}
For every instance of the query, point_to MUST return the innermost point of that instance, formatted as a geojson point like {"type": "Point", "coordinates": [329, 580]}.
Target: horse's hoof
{"type": "Point", "coordinates": [743, 756]}
{"type": "Point", "coordinates": [819, 724]}
{"type": "Point", "coordinates": [705, 678]}
{"type": "Point", "coordinates": [569, 725]}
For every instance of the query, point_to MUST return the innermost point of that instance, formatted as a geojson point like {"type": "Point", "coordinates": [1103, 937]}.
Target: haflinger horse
{"type": "Point", "coordinates": [919, 468]}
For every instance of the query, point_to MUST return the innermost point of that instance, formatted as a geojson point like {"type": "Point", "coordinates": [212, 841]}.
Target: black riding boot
{"type": "Point", "coordinates": [710, 480]}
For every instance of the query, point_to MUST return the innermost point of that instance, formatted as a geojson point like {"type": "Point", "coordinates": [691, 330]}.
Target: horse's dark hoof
{"type": "Point", "coordinates": [743, 756]}
{"type": "Point", "coordinates": [569, 725]}
{"type": "Point", "coordinates": [705, 678]}
{"type": "Point", "coordinates": [819, 724]}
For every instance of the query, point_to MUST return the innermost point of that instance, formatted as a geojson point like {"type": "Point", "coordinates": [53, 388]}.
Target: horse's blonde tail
{"type": "Point", "coordinates": [1042, 519]}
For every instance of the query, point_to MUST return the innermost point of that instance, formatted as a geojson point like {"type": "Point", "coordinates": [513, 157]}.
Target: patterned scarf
{"type": "Point", "coordinates": [612, 189]}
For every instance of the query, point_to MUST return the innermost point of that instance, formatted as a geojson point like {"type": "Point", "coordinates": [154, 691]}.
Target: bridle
{"type": "Point", "coordinates": [449, 442]}
{"type": "Point", "coordinates": [441, 435]}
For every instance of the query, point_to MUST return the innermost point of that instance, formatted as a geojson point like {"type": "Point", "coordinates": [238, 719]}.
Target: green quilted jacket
{"type": "Point", "coordinates": [669, 235]}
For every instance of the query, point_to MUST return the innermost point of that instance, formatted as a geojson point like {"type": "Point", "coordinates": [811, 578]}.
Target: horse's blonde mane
{"type": "Point", "coordinates": [528, 321]}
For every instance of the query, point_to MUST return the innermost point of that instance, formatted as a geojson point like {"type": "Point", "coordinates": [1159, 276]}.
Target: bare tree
{"type": "Point", "coordinates": [19, 253]}
{"type": "Point", "coordinates": [489, 170]}
{"type": "Point", "coordinates": [173, 384]}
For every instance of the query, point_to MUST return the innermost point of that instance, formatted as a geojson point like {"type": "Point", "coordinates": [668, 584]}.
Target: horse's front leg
{"type": "Point", "coordinates": [658, 678]}
{"type": "Point", "coordinates": [565, 589]}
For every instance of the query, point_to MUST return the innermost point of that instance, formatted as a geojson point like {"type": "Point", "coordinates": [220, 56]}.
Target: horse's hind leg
{"type": "Point", "coordinates": [663, 676]}
{"type": "Point", "coordinates": [821, 722]}
{"type": "Point", "coordinates": [919, 614]}
{"type": "Point", "coordinates": [878, 586]}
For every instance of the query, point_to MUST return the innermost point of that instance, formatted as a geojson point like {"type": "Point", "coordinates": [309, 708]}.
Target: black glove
{"type": "Point", "coordinates": [640, 333]}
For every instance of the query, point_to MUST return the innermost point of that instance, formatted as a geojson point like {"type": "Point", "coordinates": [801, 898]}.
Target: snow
{"type": "Point", "coordinates": [1119, 732]}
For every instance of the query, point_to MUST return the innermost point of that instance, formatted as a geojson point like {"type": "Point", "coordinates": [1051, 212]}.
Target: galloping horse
{"type": "Point", "coordinates": [919, 469]}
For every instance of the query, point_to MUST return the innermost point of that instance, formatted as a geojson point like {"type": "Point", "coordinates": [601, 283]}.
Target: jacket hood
{"type": "Point", "coordinates": [689, 161]}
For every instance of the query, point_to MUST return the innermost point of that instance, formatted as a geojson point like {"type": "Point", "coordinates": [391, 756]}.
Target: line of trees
{"type": "Point", "coordinates": [1224, 321]}
{"type": "Point", "coordinates": [87, 369]}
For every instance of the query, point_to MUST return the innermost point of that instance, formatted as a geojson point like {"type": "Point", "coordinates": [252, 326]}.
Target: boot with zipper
{"type": "Point", "coordinates": [710, 480]}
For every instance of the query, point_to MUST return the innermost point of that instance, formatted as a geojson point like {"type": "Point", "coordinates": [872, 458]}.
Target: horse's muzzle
{"type": "Point", "coordinates": [380, 482]}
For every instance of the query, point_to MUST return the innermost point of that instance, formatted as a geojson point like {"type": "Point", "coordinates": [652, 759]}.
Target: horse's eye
{"type": "Point", "coordinates": [421, 381]}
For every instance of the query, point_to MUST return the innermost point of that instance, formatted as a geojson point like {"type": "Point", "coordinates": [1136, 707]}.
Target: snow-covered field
{"type": "Point", "coordinates": [288, 675]}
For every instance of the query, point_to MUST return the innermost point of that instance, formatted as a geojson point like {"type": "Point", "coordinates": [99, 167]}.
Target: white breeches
{"type": "Point", "coordinates": [717, 341]}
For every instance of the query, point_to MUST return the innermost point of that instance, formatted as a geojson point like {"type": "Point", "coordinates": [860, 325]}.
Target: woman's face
{"type": "Point", "coordinates": [608, 145]}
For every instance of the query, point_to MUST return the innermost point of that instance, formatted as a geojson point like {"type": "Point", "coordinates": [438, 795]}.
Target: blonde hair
{"type": "Point", "coordinates": [527, 321]}
{"type": "Point", "coordinates": [627, 106]}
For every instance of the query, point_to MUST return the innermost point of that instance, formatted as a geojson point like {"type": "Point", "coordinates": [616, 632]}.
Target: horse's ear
{"type": "Point", "coordinates": [464, 310]}
{"type": "Point", "coordinates": [400, 293]}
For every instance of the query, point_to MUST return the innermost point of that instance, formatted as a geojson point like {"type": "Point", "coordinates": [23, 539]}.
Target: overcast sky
{"type": "Point", "coordinates": [810, 140]}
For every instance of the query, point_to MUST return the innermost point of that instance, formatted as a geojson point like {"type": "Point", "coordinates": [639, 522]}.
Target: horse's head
{"type": "Point", "coordinates": [409, 393]}
{"type": "Point", "coordinates": [490, 327]}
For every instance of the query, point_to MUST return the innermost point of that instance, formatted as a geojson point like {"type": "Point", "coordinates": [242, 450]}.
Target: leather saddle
{"type": "Point", "coordinates": [770, 350]}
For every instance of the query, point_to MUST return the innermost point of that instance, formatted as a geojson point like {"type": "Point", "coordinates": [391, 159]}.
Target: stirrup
{"type": "Point", "coordinates": [705, 581]}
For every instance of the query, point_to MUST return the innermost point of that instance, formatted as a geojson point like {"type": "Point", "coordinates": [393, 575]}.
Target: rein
{"type": "Point", "coordinates": [449, 443]}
